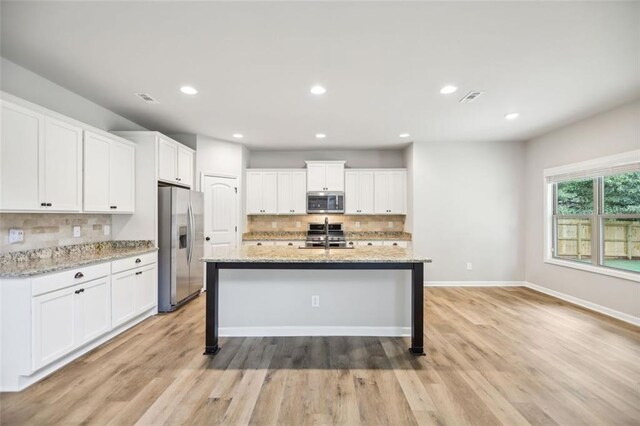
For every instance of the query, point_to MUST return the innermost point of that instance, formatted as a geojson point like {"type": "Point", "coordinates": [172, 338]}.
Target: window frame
{"type": "Point", "coordinates": [597, 216]}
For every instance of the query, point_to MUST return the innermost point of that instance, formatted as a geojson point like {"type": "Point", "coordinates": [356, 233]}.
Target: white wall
{"type": "Point", "coordinates": [355, 158]}
{"type": "Point", "coordinates": [610, 133]}
{"type": "Point", "coordinates": [468, 206]}
{"type": "Point", "coordinates": [24, 84]}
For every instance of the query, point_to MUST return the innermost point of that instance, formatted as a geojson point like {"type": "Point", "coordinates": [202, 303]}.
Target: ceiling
{"type": "Point", "coordinates": [383, 64]}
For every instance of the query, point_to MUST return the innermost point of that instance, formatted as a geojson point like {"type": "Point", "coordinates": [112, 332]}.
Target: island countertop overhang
{"type": "Point", "coordinates": [276, 254]}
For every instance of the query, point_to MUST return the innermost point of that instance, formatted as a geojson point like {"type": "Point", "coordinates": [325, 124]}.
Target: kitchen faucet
{"type": "Point", "coordinates": [326, 232]}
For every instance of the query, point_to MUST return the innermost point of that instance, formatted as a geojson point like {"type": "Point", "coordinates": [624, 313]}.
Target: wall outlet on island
{"type": "Point", "coordinates": [106, 229]}
{"type": "Point", "coordinates": [315, 301]}
{"type": "Point", "coordinates": [16, 235]}
{"type": "Point", "coordinates": [298, 224]}
{"type": "Point", "coordinates": [357, 224]}
{"type": "Point", "coordinates": [274, 225]}
{"type": "Point", "coordinates": [390, 224]}
{"type": "Point", "coordinates": [469, 266]}
{"type": "Point", "coordinates": [76, 231]}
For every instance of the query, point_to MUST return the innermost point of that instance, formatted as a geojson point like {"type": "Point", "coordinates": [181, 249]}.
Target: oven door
{"type": "Point", "coordinates": [325, 202]}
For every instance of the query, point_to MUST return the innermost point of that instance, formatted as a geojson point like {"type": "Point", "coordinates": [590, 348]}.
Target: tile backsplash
{"type": "Point", "coordinates": [52, 229]}
{"type": "Point", "coordinates": [352, 223]}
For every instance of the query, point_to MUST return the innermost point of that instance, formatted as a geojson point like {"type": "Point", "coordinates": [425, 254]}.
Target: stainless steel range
{"type": "Point", "coordinates": [325, 235]}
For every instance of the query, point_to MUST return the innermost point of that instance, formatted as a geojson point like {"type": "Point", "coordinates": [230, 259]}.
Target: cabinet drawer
{"type": "Point", "coordinates": [369, 243]}
{"type": "Point", "coordinates": [60, 280]}
{"type": "Point", "coordinates": [259, 243]}
{"type": "Point", "coordinates": [402, 244]}
{"type": "Point", "coordinates": [132, 262]}
{"type": "Point", "coordinates": [292, 244]}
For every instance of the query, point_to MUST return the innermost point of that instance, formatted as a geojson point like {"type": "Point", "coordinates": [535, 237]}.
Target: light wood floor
{"type": "Point", "coordinates": [495, 356]}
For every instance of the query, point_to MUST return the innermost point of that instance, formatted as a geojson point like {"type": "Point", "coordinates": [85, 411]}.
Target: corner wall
{"type": "Point", "coordinates": [609, 133]}
{"type": "Point", "coordinates": [468, 206]}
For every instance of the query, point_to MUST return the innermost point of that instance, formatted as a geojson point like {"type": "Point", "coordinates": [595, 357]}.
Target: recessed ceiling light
{"type": "Point", "coordinates": [320, 135]}
{"type": "Point", "coordinates": [318, 90]}
{"type": "Point", "coordinates": [404, 135]}
{"type": "Point", "coordinates": [511, 116]}
{"type": "Point", "coordinates": [238, 135]}
{"type": "Point", "coordinates": [188, 90]}
{"type": "Point", "coordinates": [447, 90]}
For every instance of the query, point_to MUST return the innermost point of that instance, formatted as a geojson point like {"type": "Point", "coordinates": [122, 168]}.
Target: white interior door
{"type": "Point", "coordinates": [220, 211]}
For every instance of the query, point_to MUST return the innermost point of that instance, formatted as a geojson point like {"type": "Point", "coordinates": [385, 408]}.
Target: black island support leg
{"type": "Point", "coordinates": [211, 325]}
{"type": "Point", "coordinates": [417, 309]}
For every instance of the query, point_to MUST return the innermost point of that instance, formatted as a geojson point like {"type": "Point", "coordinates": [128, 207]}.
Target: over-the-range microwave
{"type": "Point", "coordinates": [325, 202]}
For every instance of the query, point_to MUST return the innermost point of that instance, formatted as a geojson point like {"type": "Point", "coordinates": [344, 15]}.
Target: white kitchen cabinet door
{"type": "Point", "coordinates": [366, 193]}
{"type": "Point", "coordinates": [21, 176]}
{"type": "Point", "coordinates": [381, 197]}
{"type": "Point", "coordinates": [299, 192]}
{"type": "Point", "coordinates": [122, 178]}
{"type": "Point", "coordinates": [334, 180]}
{"type": "Point", "coordinates": [97, 160]}
{"type": "Point", "coordinates": [123, 291]}
{"type": "Point", "coordinates": [167, 160]}
{"type": "Point", "coordinates": [270, 192]}
{"type": "Point", "coordinates": [316, 177]}
{"type": "Point", "coordinates": [62, 166]}
{"type": "Point", "coordinates": [397, 192]}
{"type": "Point", "coordinates": [94, 309]}
{"type": "Point", "coordinates": [254, 192]}
{"type": "Point", "coordinates": [351, 193]}
{"type": "Point", "coordinates": [285, 192]}
{"type": "Point", "coordinates": [185, 167]}
{"type": "Point", "coordinates": [145, 288]}
{"type": "Point", "coordinates": [54, 333]}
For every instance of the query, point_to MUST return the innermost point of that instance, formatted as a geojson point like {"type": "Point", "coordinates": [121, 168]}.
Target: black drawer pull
{"type": "Point", "coordinates": [79, 291]}
{"type": "Point", "coordinates": [79, 275]}
{"type": "Point", "coordinates": [139, 273]}
{"type": "Point", "coordinates": [350, 243]}
{"type": "Point", "coordinates": [138, 260]}
{"type": "Point", "coordinates": [48, 204]}
{"type": "Point", "coordinates": [395, 244]}
{"type": "Point", "coordinates": [290, 244]}
{"type": "Point", "coordinates": [369, 244]}
{"type": "Point", "coordinates": [259, 244]}
{"type": "Point", "coordinates": [43, 204]}
{"type": "Point", "coordinates": [113, 207]}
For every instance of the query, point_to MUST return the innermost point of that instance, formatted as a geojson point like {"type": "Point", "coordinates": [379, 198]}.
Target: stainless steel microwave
{"type": "Point", "coordinates": [325, 202]}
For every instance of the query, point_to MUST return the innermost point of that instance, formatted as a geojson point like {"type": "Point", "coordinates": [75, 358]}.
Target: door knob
{"type": "Point", "coordinates": [208, 239]}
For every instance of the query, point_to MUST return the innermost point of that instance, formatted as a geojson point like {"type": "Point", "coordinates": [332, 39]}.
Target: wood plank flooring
{"type": "Point", "coordinates": [507, 356]}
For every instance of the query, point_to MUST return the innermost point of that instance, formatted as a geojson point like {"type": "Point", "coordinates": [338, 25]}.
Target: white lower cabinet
{"type": "Point", "coordinates": [49, 320]}
{"type": "Point", "coordinates": [259, 243]}
{"type": "Point", "coordinates": [292, 244]}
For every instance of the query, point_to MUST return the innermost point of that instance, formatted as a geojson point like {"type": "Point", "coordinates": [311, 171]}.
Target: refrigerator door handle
{"type": "Point", "coordinates": [192, 231]}
{"type": "Point", "coordinates": [189, 234]}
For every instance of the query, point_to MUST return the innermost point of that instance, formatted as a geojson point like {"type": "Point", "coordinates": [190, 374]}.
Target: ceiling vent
{"type": "Point", "coordinates": [470, 97]}
{"type": "Point", "coordinates": [147, 98]}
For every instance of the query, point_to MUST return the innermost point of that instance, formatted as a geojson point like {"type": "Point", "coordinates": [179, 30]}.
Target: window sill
{"type": "Point", "coordinates": [631, 276]}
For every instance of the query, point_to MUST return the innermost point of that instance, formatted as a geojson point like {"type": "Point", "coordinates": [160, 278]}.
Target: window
{"type": "Point", "coordinates": [595, 215]}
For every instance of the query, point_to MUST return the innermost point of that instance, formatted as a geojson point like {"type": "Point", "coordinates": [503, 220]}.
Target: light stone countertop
{"type": "Point", "coordinates": [278, 254]}
{"type": "Point", "coordinates": [30, 263]}
{"type": "Point", "coordinates": [350, 235]}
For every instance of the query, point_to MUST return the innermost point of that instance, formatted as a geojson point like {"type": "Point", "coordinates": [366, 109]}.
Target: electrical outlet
{"type": "Point", "coordinates": [274, 225]}
{"type": "Point", "coordinates": [357, 224]}
{"type": "Point", "coordinates": [298, 225]}
{"type": "Point", "coordinates": [469, 266]}
{"type": "Point", "coordinates": [390, 224]}
{"type": "Point", "coordinates": [106, 229]}
{"type": "Point", "coordinates": [315, 301]}
{"type": "Point", "coordinates": [76, 231]}
{"type": "Point", "coordinates": [16, 235]}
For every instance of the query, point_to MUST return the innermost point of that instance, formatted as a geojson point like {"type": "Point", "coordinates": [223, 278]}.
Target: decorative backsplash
{"type": "Point", "coordinates": [352, 223]}
{"type": "Point", "coordinates": [52, 229]}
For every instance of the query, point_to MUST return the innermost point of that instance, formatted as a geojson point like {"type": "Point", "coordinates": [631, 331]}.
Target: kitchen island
{"type": "Point", "coordinates": [282, 258]}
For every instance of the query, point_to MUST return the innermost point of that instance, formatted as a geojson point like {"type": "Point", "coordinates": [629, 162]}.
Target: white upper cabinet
{"type": "Point", "coordinates": [292, 192]}
{"type": "Point", "coordinates": [359, 193]}
{"type": "Point", "coordinates": [262, 192]}
{"type": "Point", "coordinates": [175, 162]}
{"type": "Point", "coordinates": [109, 174]}
{"type": "Point", "coordinates": [325, 176]}
{"type": "Point", "coordinates": [41, 162]}
{"type": "Point", "coordinates": [185, 166]}
{"type": "Point", "coordinates": [390, 191]}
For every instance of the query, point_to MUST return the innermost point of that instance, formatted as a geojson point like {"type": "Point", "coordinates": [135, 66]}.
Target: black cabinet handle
{"type": "Point", "coordinates": [48, 204]}
{"type": "Point", "coordinates": [79, 275]}
{"type": "Point", "coordinates": [43, 204]}
{"type": "Point", "coordinates": [395, 244]}
{"type": "Point", "coordinates": [369, 244]}
{"type": "Point", "coordinates": [259, 244]}
{"type": "Point", "coordinates": [138, 260]}
{"type": "Point", "coordinates": [207, 239]}
{"type": "Point", "coordinates": [350, 243]}
{"type": "Point", "coordinates": [79, 291]}
{"type": "Point", "coordinates": [139, 273]}
{"type": "Point", "coordinates": [290, 244]}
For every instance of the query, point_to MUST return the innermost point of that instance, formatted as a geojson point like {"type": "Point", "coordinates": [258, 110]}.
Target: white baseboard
{"type": "Point", "coordinates": [474, 283]}
{"type": "Point", "coordinates": [313, 331]}
{"type": "Point", "coordinates": [586, 304]}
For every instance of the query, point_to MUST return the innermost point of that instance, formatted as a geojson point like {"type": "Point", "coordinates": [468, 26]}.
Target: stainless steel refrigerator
{"type": "Point", "coordinates": [181, 242]}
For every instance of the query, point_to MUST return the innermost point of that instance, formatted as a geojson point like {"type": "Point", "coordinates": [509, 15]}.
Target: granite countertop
{"type": "Point", "coordinates": [350, 235]}
{"type": "Point", "coordinates": [279, 254]}
{"type": "Point", "coordinates": [30, 263]}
